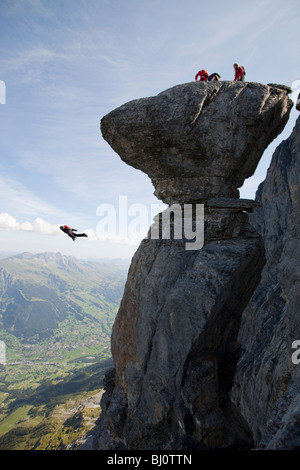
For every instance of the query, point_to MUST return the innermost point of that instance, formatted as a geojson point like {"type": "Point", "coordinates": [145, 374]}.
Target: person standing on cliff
{"type": "Point", "coordinates": [201, 76]}
{"type": "Point", "coordinates": [70, 231]}
{"type": "Point", "coordinates": [239, 73]}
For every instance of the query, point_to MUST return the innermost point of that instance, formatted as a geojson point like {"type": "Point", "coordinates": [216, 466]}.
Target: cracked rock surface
{"type": "Point", "coordinates": [267, 382]}
{"type": "Point", "coordinates": [198, 140]}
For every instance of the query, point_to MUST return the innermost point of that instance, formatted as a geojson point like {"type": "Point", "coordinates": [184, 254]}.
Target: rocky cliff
{"type": "Point", "coordinates": [267, 383]}
{"type": "Point", "coordinates": [175, 339]}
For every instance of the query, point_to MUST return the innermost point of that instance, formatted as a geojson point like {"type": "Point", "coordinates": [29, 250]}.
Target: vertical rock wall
{"type": "Point", "coordinates": [267, 383]}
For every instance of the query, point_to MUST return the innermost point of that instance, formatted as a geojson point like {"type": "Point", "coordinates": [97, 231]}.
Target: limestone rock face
{"type": "Point", "coordinates": [267, 382]}
{"type": "Point", "coordinates": [174, 346]}
{"type": "Point", "coordinates": [174, 341]}
{"type": "Point", "coordinates": [198, 140]}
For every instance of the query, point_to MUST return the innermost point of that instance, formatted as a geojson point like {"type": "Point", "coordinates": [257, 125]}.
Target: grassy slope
{"type": "Point", "coordinates": [65, 361]}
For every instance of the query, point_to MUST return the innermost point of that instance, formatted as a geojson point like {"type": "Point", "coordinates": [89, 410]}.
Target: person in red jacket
{"type": "Point", "coordinates": [239, 72]}
{"type": "Point", "coordinates": [202, 76]}
{"type": "Point", "coordinates": [70, 231]}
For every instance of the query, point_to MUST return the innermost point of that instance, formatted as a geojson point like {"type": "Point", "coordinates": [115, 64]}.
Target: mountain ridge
{"type": "Point", "coordinates": [29, 279]}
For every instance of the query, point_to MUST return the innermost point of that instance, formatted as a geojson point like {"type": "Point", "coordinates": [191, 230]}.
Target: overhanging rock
{"type": "Point", "coordinates": [174, 341]}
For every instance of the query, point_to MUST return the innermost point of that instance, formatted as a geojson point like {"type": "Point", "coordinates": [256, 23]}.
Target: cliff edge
{"type": "Point", "coordinates": [175, 339]}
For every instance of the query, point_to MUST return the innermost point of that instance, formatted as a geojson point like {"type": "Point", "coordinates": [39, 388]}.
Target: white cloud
{"type": "Point", "coordinates": [91, 234]}
{"type": "Point", "coordinates": [117, 240]}
{"type": "Point", "coordinates": [112, 239]}
{"type": "Point", "coordinates": [8, 222]}
{"type": "Point", "coordinates": [31, 61]}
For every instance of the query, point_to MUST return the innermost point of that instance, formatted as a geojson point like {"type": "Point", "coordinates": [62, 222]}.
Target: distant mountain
{"type": "Point", "coordinates": [38, 291]}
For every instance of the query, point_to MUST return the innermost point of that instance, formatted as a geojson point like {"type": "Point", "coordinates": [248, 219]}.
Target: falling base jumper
{"type": "Point", "coordinates": [70, 231]}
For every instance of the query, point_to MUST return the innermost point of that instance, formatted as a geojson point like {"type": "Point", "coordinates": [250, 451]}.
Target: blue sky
{"type": "Point", "coordinates": [67, 63]}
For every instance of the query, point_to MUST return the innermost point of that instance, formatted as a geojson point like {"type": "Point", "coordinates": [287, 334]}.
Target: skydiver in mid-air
{"type": "Point", "coordinates": [70, 231]}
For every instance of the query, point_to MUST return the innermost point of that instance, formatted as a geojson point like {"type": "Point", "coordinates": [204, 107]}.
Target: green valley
{"type": "Point", "coordinates": [56, 315]}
